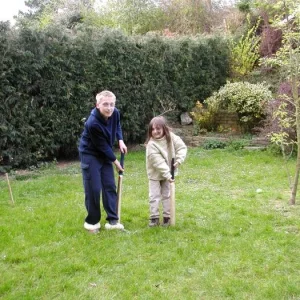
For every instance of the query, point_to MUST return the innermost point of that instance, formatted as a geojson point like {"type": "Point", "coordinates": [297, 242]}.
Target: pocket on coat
{"type": "Point", "coordinates": [85, 171]}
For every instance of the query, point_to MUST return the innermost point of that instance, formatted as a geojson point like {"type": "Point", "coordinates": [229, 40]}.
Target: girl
{"type": "Point", "coordinates": [161, 146]}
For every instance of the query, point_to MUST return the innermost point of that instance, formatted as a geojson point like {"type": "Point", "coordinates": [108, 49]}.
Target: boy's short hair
{"type": "Point", "coordinates": [103, 94]}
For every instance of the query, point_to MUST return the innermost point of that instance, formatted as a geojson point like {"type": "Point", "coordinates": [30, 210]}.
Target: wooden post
{"type": "Point", "coordinates": [10, 191]}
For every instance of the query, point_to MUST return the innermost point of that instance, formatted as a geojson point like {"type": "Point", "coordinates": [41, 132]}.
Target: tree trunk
{"type": "Point", "coordinates": [297, 105]}
{"type": "Point", "coordinates": [296, 179]}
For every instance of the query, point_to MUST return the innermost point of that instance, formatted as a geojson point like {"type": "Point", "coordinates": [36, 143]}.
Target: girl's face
{"type": "Point", "coordinates": [157, 131]}
{"type": "Point", "coordinates": [106, 106]}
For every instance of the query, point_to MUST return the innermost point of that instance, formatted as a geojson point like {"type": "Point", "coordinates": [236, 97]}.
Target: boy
{"type": "Point", "coordinates": [101, 130]}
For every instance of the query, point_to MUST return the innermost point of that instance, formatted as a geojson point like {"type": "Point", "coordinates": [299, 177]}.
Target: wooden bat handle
{"type": "Point", "coordinates": [119, 189]}
{"type": "Point", "coordinates": [172, 168]}
{"type": "Point", "coordinates": [122, 162]}
{"type": "Point", "coordinates": [172, 196]}
{"type": "Point", "coordinates": [172, 206]}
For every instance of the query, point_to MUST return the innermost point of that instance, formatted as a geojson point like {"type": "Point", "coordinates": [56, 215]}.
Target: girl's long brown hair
{"type": "Point", "coordinates": [159, 121]}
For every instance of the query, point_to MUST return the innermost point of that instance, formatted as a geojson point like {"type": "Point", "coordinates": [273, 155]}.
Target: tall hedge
{"type": "Point", "coordinates": [49, 79]}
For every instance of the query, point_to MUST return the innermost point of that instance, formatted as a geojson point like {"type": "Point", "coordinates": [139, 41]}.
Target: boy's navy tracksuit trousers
{"type": "Point", "coordinates": [98, 176]}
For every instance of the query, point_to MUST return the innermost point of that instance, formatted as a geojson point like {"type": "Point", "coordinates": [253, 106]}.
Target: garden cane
{"type": "Point", "coordinates": [119, 189]}
{"type": "Point", "coordinates": [172, 198]}
{"type": "Point", "coordinates": [10, 191]}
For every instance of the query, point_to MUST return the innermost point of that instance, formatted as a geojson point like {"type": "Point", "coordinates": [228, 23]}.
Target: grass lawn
{"type": "Point", "coordinates": [230, 241]}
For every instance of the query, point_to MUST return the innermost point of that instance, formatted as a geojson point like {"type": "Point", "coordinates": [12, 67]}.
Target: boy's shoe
{"type": "Point", "coordinates": [92, 228]}
{"type": "Point", "coordinates": [154, 222]}
{"type": "Point", "coordinates": [114, 224]}
{"type": "Point", "coordinates": [166, 221]}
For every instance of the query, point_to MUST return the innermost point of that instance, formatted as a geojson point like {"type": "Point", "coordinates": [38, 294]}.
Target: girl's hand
{"type": "Point", "coordinates": [176, 165]}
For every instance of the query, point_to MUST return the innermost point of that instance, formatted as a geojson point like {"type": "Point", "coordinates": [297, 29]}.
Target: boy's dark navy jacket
{"type": "Point", "coordinates": [99, 135]}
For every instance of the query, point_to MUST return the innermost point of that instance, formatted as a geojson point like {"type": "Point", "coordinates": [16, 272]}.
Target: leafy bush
{"type": "Point", "coordinates": [246, 99]}
{"type": "Point", "coordinates": [237, 144]}
{"type": "Point", "coordinates": [214, 144]}
{"type": "Point", "coordinates": [204, 118]}
{"type": "Point", "coordinates": [274, 149]}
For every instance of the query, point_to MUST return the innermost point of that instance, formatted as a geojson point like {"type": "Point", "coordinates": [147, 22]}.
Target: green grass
{"type": "Point", "coordinates": [229, 242]}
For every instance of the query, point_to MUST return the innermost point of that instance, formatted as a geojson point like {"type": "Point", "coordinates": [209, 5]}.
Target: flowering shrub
{"type": "Point", "coordinates": [204, 118]}
{"type": "Point", "coordinates": [245, 52]}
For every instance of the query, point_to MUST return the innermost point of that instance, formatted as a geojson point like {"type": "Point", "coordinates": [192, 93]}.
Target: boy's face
{"type": "Point", "coordinates": [106, 106]}
{"type": "Point", "coordinates": [157, 131]}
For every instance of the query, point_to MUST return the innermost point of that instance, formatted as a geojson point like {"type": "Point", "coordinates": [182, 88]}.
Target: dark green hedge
{"type": "Point", "coordinates": [49, 79]}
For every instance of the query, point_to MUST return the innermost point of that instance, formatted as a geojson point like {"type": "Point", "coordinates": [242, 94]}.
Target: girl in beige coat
{"type": "Point", "coordinates": [161, 146]}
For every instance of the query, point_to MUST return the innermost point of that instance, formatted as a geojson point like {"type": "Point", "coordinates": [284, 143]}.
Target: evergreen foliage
{"type": "Point", "coordinates": [49, 78]}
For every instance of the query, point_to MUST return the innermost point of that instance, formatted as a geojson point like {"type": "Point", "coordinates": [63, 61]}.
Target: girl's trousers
{"type": "Point", "coordinates": [159, 191]}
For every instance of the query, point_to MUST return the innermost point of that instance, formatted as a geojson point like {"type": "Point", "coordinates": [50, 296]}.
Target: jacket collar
{"type": "Point", "coordinates": [96, 113]}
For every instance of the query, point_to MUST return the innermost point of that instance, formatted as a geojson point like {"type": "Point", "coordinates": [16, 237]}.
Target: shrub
{"type": "Point", "coordinates": [204, 118]}
{"type": "Point", "coordinates": [214, 144]}
{"type": "Point", "coordinates": [246, 99]}
{"type": "Point", "coordinates": [271, 40]}
{"type": "Point", "coordinates": [49, 79]}
{"type": "Point", "coordinates": [280, 122]}
{"type": "Point", "coordinates": [237, 144]}
{"type": "Point", "coordinates": [245, 52]}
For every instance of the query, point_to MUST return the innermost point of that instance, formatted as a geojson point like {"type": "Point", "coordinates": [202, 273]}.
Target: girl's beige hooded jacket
{"type": "Point", "coordinates": [159, 156]}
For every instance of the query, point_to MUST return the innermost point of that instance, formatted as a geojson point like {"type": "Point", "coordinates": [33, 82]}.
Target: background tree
{"type": "Point", "coordinates": [287, 61]}
{"type": "Point", "coordinates": [266, 10]}
{"type": "Point", "coordinates": [136, 16]}
{"type": "Point", "coordinates": [132, 16]}
{"type": "Point", "coordinates": [60, 12]}
{"type": "Point", "coordinates": [187, 16]}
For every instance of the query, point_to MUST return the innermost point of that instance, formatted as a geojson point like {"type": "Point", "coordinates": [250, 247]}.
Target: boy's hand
{"type": "Point", "coordinates": [171, 180]}
{"type": "Point", "coordinates": [122, 147]}
{"type": "Point", "coordinates": [176, 165]}
{"type": "Point", "coordinates": [118, 165]}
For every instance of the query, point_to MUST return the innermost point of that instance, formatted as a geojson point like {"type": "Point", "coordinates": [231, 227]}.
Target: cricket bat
{"type": "Point", "coordinates": [119, 189]}
{"type": "Point", "coordinates": [172, 196]}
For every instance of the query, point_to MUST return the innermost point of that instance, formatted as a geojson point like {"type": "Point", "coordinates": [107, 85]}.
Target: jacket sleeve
{"type": "Point", "coordinates": [180, 149]}
{"type": "Point", "coordinates": [119, 133]}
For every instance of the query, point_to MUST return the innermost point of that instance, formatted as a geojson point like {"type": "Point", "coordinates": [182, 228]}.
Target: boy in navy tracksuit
{"type": "Point", "coordinates": [101, 130]}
